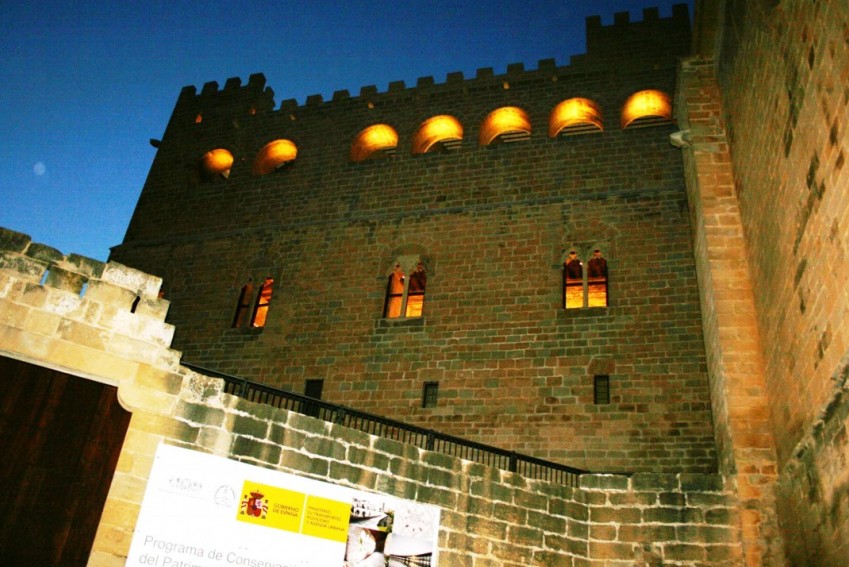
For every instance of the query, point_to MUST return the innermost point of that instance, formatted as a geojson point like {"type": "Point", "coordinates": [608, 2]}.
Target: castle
{"type": "Point", "coordinates": [630, 264]}
{"type": "Point", "coordinates": [276, 231]}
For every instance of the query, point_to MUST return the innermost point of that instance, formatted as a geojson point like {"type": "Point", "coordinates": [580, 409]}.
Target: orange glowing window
{"type": "Point", "coordinates": [506, 124]}
{"type": "Point", "coordinates": [374, 141]}
{"type": "Point", "coordinates": [405, 295]}
{"type": "Point", "coordinates": [274, 156]}
{"type": "Point", "coordinates": [216, 162]}
{"type": "Point", "coordinates": [646, 108]}
{"type": "Point", "coordinates": [574, 116]}
{"type": "Point", "coordinates": [573, 282]}
{"type": "Point", "coordinates": [439, 132]}
{"type": "Point", "coordinates": [263, 300]}
{"type": "Point", "coordinates": [245, 317]}
{"type": "Point", "coordinates": [585, 288]}
{"type": "Point", "coordinates": [597, 280]}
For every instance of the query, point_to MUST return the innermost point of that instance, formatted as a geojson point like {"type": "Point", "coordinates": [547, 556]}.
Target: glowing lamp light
{"type": "Point", "coordinates": [504, 120]}
{"type": "Point", "coordinates": [274, 155]}
{"type": "Point", "coordinates": [442, 128]}
{"type": "Point", "coordinates": [375, 138]}
{"type": "Point", "coordinates": [217, 162]}
{"type": "Point", "coordinates": [646, 106]}
{"type": "Point", "coordinates": [574, 115]}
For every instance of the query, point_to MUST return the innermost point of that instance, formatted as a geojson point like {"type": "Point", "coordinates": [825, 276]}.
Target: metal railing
{"type": "Point", "coordinates": [527, 466]}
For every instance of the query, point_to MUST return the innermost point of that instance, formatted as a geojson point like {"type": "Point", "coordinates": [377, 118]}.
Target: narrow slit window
{"type": "Point", "coordinates": [430, 394]}
{"type": "Point", "coordinates": [263, 300]}
{"type": "Point", "coordinates": [573, 282]}
{"type": "Point", "coordinates": [601, 389]}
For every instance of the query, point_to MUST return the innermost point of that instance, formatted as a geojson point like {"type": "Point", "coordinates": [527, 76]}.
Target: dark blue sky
{"type": "Point", "coordinates": [85, 85]}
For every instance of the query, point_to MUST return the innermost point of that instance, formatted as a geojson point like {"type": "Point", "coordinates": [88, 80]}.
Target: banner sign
{"type": "Point", "coordinates": [200, 510]}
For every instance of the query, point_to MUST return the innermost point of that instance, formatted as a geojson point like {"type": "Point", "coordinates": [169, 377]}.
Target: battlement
{"type": "Point", "coordinates": [624, 44]}
{"type": "Point", "coordinates": [46, 292]}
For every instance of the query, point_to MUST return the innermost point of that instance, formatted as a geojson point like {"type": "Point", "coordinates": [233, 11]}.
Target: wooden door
{"type": "Point", "coordinates": [60, 437]}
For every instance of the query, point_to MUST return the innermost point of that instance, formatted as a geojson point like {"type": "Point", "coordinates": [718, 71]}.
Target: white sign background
{"type": "Point", "coordinates": [189, 510]}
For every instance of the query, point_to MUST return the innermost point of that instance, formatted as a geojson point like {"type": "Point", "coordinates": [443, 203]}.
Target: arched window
{"type": "Point", "coordinates": [574, 116]}
{"type": "Point", "coordinates": [274, 155]}
{"type": "Point", "coordinates": [405, 294]}
{"type": "Point", "coordinates": [585, 288]}
{"type": "Point", "coordinates": [646, 108]}
{"type": "Point", "coordinates": [216, 162]}
{"type": "Point", "coordinates": [374, 141]}
{"type": "Point", "coordinates": [505, 124]}
{"type": "Point", "coordinates": [441, 132]}
{"type": "Point", "coordinates": [252, 308]}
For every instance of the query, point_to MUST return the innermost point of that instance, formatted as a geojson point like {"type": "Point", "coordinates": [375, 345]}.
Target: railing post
{"type": "Point", "coordinates": [243, 392]}
{"type": "Point", "coordinates": [340, 416]}
{"type": "Point", "coordinates": [431, 440]}
{"type": "Point", "coordinates": [514, 462]}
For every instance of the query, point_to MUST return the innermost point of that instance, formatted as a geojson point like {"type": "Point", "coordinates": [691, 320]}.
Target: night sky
{"type": "Point", "coordinates": [85, 85]}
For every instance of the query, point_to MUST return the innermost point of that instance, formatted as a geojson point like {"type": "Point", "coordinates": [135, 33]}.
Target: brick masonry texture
{"type": "Point", "coordinates": [489, 517]}
{"type": "Point", "coordinates": [784, 71]}
{"type": "Point", "coordinates": [495, 224]}
{"type": "Point", "coordinates": [724, 339]}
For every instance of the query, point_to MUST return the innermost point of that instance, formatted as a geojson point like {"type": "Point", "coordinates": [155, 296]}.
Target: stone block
{"type": "Point", "coordinates": [64, 279]}
{"type": "Point", "coordinates": [29, 269]}
{"type": "Point", "coordinates": [12, 241]}
{"type": "Point", "coordinates": [248, 447]}
{"type": "Point", "coordinates": [247, 425]}
{"type": "Point", "coordinates": [104, 292]}
{"type": "Point", "coordinates": [43, 253]}
{"type": "Point", "coordinates": [134, 280]}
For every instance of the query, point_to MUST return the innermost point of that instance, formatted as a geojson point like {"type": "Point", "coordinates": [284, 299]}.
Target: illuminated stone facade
{"type": "Point", "coordinates": [465, 178]}
{"type": "Point", "coordinates": [723, 342]}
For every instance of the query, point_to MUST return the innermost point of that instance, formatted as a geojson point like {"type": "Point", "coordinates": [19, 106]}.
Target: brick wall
{"type": "Point", "coordinates": [489, 517]}
{"type": "Point", "coordinates": [496, 223]}
{"type": "Point", "coordinates": [783, 70]}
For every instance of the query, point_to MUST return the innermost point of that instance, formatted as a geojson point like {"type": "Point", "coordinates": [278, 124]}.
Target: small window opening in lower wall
{"type": "Point", "coordinates": [601, 389]}
{"type": "Point", "coordinates": [313, 388]}
{"type": "Point", "coordinates": [430, 394]}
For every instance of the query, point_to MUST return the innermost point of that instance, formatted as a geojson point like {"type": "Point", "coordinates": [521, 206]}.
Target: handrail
{"type": "Point", "coordinates": [531, 467]}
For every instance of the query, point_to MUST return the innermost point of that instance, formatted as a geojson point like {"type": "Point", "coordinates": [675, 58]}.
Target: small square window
{"type": "Point", "coordinates": [313, 388]}
{"type": "Point", "coordinates": [430, 394]}
{"type": "Point", "coordinates": [601, 389]}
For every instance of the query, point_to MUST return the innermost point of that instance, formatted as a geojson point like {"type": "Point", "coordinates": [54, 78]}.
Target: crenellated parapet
{"type": "Point", "coordinates": [114, 311]}
{"type": "Point", "coordinates": [623, 48]}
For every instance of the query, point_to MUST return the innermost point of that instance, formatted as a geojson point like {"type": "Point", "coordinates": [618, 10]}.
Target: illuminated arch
{"type": "Point", "coordinates": [509, 123]}
{"type": "Point", "coordinates": [217, 162]}
{"type": "Point", "coordinates": [375, 138]}
{"type": "Point", "coordinates": [575, 116]}
{"type": "Point", "coordinates": [439, 130]}
{"type": "Point", "coordinates": [646, 108]}
{"type": "Point", "coordinates": [274, 155]}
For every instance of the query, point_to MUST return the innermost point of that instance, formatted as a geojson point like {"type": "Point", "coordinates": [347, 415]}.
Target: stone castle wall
{"type": "Point", "coordinates": [495, 223]}
{"type": "Point", "coordinates": [783, 69]}
{"type": "Point", "coordinates": [82, 320]}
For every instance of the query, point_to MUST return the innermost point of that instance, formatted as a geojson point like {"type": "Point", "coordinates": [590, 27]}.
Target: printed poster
{"type": "Point", "coordinates": [200, 510]}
